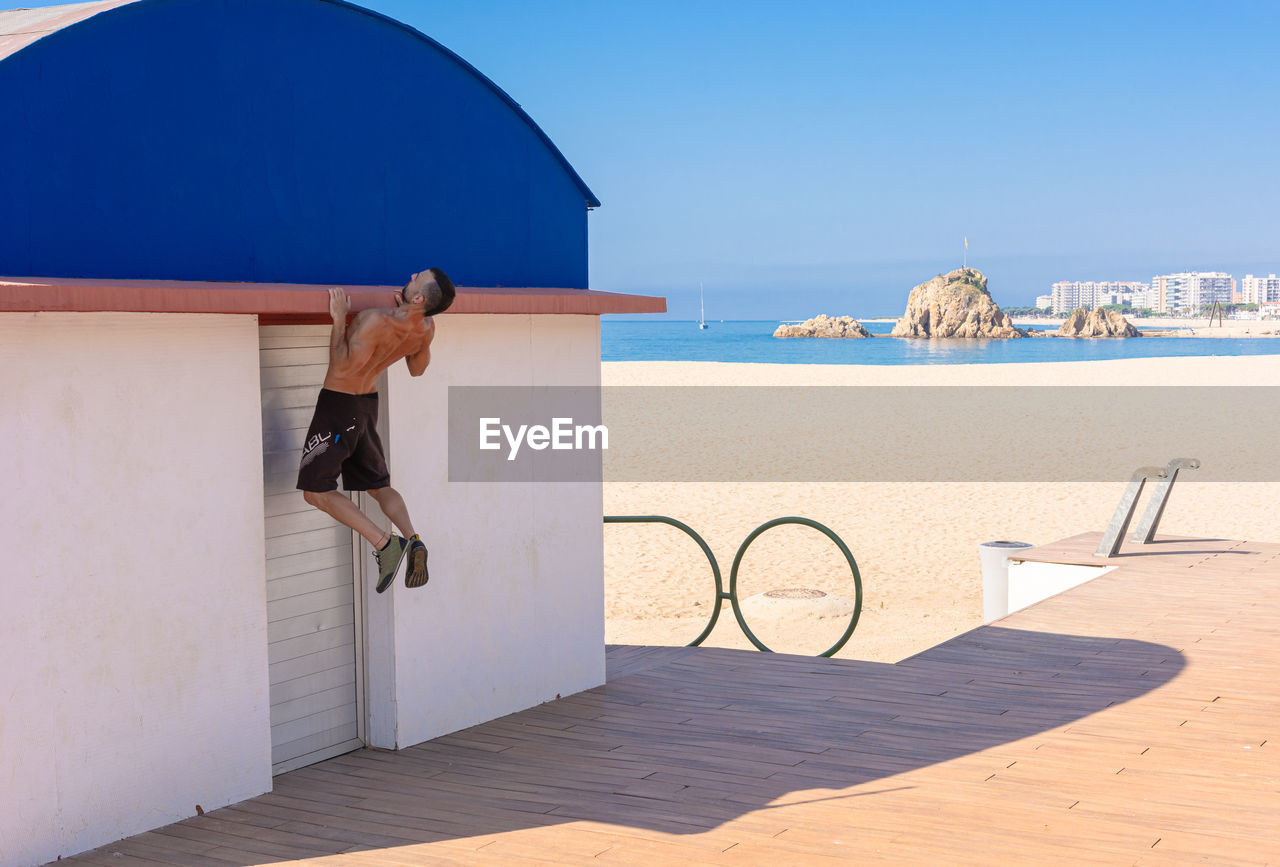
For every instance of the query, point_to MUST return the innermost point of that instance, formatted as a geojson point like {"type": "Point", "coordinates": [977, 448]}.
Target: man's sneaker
{"type": "Point", "coordinates": [416, 575]}
{"type": "Point", "coordinates": [389, 560]}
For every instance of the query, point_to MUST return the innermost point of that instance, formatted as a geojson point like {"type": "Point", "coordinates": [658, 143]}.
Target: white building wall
{"type": "Point", "coordinates": [134, 638]}
{"type": "Point", "coordinates": [1031, 582]}
{"type": "Point", "coordinates": [1067, 296]}
{"type": "Point", "coordinates": [1190, 290]}
{"type": "Point", "coordinates": [514, 613]}
{"type": "Point", "coordinates": [1158, 299]}
{"type": "Point", "coordinates": [1208, 288]}
{"type": "Point", "coordinates": [1259, 290]}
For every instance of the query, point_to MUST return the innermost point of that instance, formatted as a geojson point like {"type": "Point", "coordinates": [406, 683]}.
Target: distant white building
{"type": "Point", "coordinates": [1069, 295]}
{"type": "Point", "coordinates": [1259, 290]}
{"type": "Point", "coordinates": [1044, 301]}
{"type": "Point", "coordinates": [1190, 290]}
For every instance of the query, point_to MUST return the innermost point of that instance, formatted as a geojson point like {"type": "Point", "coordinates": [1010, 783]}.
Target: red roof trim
{"type": "Point", "coordinates": [281, 303]}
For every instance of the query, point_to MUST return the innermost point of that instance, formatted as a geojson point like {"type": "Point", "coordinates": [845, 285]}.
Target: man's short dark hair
{"type": "Point", "coordinates": [436, 288]}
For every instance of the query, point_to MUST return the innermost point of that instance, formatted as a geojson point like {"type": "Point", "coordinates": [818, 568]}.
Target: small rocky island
{"type": "Point", "coordinates": [955, 305]}
{"type": "Point", "coordinates": [1097, 323]}
{"type": "Point", "coordinates": [824, 326]}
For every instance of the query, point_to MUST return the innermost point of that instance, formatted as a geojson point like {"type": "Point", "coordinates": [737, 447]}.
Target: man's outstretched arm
{"type": "Point", "coordinates": [339, 306]}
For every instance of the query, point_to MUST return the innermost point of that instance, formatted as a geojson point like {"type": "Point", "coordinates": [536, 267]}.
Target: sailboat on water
{"type": "Point", "coordinates": [702, 308]}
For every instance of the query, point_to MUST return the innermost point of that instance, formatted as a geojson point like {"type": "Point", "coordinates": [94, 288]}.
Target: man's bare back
{"type": "Point", "coordinates": [375, 340]}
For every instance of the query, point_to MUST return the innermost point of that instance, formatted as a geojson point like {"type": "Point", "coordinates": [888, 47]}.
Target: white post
{"type": "Point", "coordinates": [995, 577]}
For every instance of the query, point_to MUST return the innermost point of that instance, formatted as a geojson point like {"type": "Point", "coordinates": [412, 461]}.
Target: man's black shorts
{"type": "Point", "coordinates": [343, 439]}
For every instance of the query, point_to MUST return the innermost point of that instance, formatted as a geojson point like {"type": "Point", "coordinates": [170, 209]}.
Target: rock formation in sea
{"type": "Point", "coordinates": [824, 326]}
{"type": "Point", "coordinates": [1097, 323]}
{"type": "Point", "coordinates": [955, 305]}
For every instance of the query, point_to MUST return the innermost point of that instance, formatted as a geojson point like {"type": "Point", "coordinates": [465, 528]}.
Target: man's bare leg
{"type": "Point", "coordinates": [344, 511]}
{"type": "Point", "coordinates": [392, 505]}
{"type": "Point", "coordinates": [389, 549]}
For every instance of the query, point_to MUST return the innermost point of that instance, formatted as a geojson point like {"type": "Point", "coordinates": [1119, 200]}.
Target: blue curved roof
{"type": "Point", "coordinates": [279, 120]}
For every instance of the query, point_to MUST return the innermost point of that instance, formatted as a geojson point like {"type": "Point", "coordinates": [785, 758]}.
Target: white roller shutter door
{"type": "Point", "coordinates": [312, 625]}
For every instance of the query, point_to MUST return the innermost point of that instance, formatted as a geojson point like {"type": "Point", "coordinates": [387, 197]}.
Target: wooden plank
{"type": "Point", "coordinates": [199, 833]}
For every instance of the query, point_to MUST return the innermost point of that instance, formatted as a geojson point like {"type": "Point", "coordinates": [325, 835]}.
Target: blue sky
{"type": "Point", "coordinates": [808, 156]}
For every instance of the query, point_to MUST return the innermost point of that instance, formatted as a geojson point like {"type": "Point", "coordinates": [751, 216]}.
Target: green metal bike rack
{"type": "Point", "coordinates": [732, 594]}
{"type": "Point", "coordinates": [706, 549]}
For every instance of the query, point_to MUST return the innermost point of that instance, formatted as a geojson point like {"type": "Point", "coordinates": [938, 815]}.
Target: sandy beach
{"type": "Point", "coordinates": [915, 542]}
{"type": "Point", "coordinates": [1203, 328]}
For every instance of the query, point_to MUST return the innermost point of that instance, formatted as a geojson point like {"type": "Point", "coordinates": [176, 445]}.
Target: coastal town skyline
{"type": "Point", "coordinates": [1187, 291]}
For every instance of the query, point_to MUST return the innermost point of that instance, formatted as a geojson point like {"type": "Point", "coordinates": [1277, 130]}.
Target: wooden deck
{"type": "Point", "coordinates": [1133, 719]}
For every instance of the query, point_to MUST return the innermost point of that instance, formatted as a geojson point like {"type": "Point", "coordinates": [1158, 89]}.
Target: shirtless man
{"type": "Point", "coordinates": [343, 437]}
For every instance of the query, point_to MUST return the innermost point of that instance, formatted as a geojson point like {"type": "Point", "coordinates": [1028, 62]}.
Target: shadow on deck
{"type": "Point", "coordinates": [681, 741]}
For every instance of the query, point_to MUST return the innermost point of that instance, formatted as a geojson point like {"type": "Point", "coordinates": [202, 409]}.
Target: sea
{"type": "Point", "coordinates": [753, 341]}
